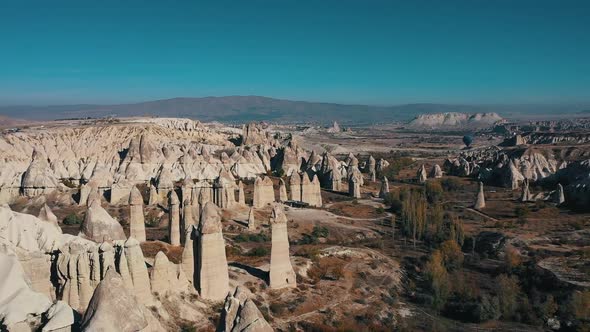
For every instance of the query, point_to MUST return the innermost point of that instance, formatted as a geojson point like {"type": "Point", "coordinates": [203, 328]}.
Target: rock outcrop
{"type": "Point", "coordinates": [99, 226]}
{"type": "Point", "coordinates": [525, 196]}
{"type": "Point", "coordinates": [436, 172]}
{"type": "Point", "coordinates": [136, 218]}
{"type": "Point", "coordinates": [251, 220]}
{"type": "Point", "coordinates": [281, 272]}
{"type": "Point", "coordinates": [47, 215]}
{"type": "Point", "coordinates": [295, 187]}
{"type": "Point", "coordinates": [421, 175]}
{"type": "Point", "coordinates": [240, 314]}
{"type": "Point", "coordinates": [174, 219]}
{"type": "Point", "coordinates": [212, 278]}
{"type": "Point", "coordinates": [384, 191]}
{"type": "Point", "coordinates": [354, 186]}
{"type": "Point", "coordinates": [113, 307]}
{"type": "Point", "coordinates": [480, 201]}
{"type": "Point", "coordinates": [454, 120]}
{"type": "Point", "coordinates": [264, 193]}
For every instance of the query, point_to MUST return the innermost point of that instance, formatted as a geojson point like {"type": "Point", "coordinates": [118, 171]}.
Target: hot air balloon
{"type": "Point", "coordinates": [467, 139]}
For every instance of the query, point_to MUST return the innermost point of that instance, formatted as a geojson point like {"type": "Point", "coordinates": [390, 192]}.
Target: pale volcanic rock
{"type": "Point", "coordinates": [454, 120]}
{"type": "Point", "coordinates": [525, 196]}
{"type": "Point", "coordinates": [384, 191]}
{"type": "Point", "coordinates": [138, 271]}
{"type": "Point", "coordinates": [120, 192]}
{"type": "Point", "coordinates": [241, 195]}
{"type": "Point", "coordinates": [188, 253]}
{"type": "Point", "coordinates": [240, 314]}
{"type": "Point", "coordinates": [480, 201]}
{"type": "Point", "coordinates": [174, 219]}
{"type": "Point", "coordinates": [28, 232]}
{"type": "Point", "coordinates": [281, 273]}
{"type": "Point", "coordinates": [123, 267]}
{"type": "Point", "coordinates": [335, 128]}
{"type": "Point", "coordinates": [436, 172]}
{"type": "Point", "coordinates": [251, 220]}
{"type": "Point", "coordinates": [38, 179]}
{"type": "Point", "coordinates": [161, 279]}
{"type": "Point", "coordinates": [282, 191]}
{"type": "Point", "coordinates": [21, 307]}
{"type": "Point", "coordinates": [263, 192]}
{"type": "Point", "coordinates": [310, 191]}
{"type": "Point", "coordinates": [113, 308]}
{"type": "Point", "coordinates": [354, 186]}
{"type": "Point", "coordinates": [421, 174]}
{"type": "Point", "coordinates": [136, 217]}
{"type": "Point", "coordinates": [295, 187]}
{"type": "Point", "coordinates": [107, 258]}
{"type": "Point", "coordinates": [212, 278]}
{"type": "Point", "coordinates": [370, 168]}
{"type": "Point", "coordinates": [253, 133]}
{"type": "Point", "coordinates": [559, 197]}
{"type": "Point", "coordinates": [47, 215]}
{"type": "Point", "coordinates": [187, 215]}
{"type": "Point", "coordinates": [84, 288]}
{"type": "Point", "coordinates": [99, 226]}
{"type": "Point", "coordinates": [330, 173]}
{"type": "Point", "coordinates": [382, 164]}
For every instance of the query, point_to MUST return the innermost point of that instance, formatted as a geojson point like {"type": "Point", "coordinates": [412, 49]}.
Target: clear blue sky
{"type": "Point", "coordinates": [374, 52]}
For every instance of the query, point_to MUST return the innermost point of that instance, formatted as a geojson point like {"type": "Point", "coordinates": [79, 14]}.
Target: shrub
{"type": "Point", "coordinates": [379, 210]}
{"type": "Point", "coordinates": [451, 254]}
{"type": "Point", "coordinates": [72, 219]}
{"type": "Point", "coordinates": [438, 279]}
{"type": "Point", "coordinates": [580, 305]}
{"type": "Point", "coordinates": [258, 252]}
{"type": "Point", "coordinates": [512, 259]}
{"type": "Point", "coordinates": [258, 238]}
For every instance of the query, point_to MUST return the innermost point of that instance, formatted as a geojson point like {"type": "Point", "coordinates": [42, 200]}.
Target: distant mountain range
{"type": "Point", "coordinates": [239, 109]}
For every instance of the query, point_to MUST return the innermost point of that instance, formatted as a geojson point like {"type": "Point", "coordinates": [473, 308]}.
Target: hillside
{"type": "Point", "coordinates": [239, 109]}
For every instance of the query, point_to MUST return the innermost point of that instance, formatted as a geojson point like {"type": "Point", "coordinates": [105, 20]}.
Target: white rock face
{"type": "Point", "coordinates": [436, 172]}
{"type": "Point", "coordinates": [47, 215]}
{"type": "Point", "coordinates": [354, 186]}
{"type": "Point", "coordinates": [212, 278]}
{"type": "Point", "coordinates": [21, 306]}
{"type": "Point", "coordinates": [174, 220]}
{"type": "Point", "coordinates": [138, 271]}
{"type": "Point", "coordinates": [28, 232]}
{"type": "Point", "coordinates": [239, 313]}
{"type": "Point", "coordinates": [281, 272]}
{"type": "Point", "coordinates": [99, 226]}
{"type": "Point", "coordinates": [113, 307]}
{"type": "Point", "coordinates": [453, 120]}
{"type": "Point", "coordinates": [480, 201]}
{"type": "Point", "coordinates": [264, 193]}
{"type": "Point", "coordinates": [421, 174]}
{"type": "Point", "coordinates": [136, 218]}
{"type": "Point", "coordinates": [251, 220]}
{"type": "Point", "coordinates": [384, 191]}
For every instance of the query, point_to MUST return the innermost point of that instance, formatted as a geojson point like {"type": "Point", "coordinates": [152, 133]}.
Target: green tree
{"type": "Point", "coordinates": [438, 279]}
{"type": "Point", "coordinates": [414, 214]}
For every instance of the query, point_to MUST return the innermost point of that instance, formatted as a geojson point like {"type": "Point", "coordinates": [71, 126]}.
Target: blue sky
{"type": "Point", "coordinates": [371, 52]}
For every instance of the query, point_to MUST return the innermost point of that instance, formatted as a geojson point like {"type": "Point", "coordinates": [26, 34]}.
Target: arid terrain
{"type": "Point", "coordinates": [446, 223]}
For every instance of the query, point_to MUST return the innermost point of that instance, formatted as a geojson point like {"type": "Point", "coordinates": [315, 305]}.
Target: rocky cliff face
{"type": "Point", "coordinates": [454, 120]}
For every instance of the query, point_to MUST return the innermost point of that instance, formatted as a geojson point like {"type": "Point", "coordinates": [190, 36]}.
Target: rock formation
{"type": "Point", "coordinates": [436, 172]}
{"type": "Point", "coordinates": [454, 120]}
{"type": "Point", "coordinates": [188, 253]}
{"type": "Point", "coordinates": [354, 186]}
{"type": "Point", "coordinates": [136, 218]}
{"type": "Point", "coordinates": [138, 271]}
{"type": "Point", "coordinates": [251, 220]}
{"type": "Point", "coordinates": [559, 197]}
{"type": "Point", "coordinates": [174, 219]}
{"type": "Point", "coordinates": [525, 196]}
{"type": "Point", "coordinates": [212, 278]}
{"type": "Point", "coordinates": [47, 215]}
{"type": "Point", "coordinates": [239, 313]}
{"type": "Point", "coordinates": [384, 191]}
{"type": "Point", "coordinates": [113, 307]}
{"type": "Point", "coordinates": [241, 195]}
{"type": "Point", "coordinates": [263, 192]}
{"type": "Point", "coordinates": [421, 174]}
{"type": "Point", "coordinates": [295, 187]}
{"type": "Point", "coordinates": [281, 272]}
{"type": "Point", "coordinates": [99, 226]}
{"type": "Point", "coordinates": [480, 201]}
{"type": "Point", "coordinates": [311, 191]}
